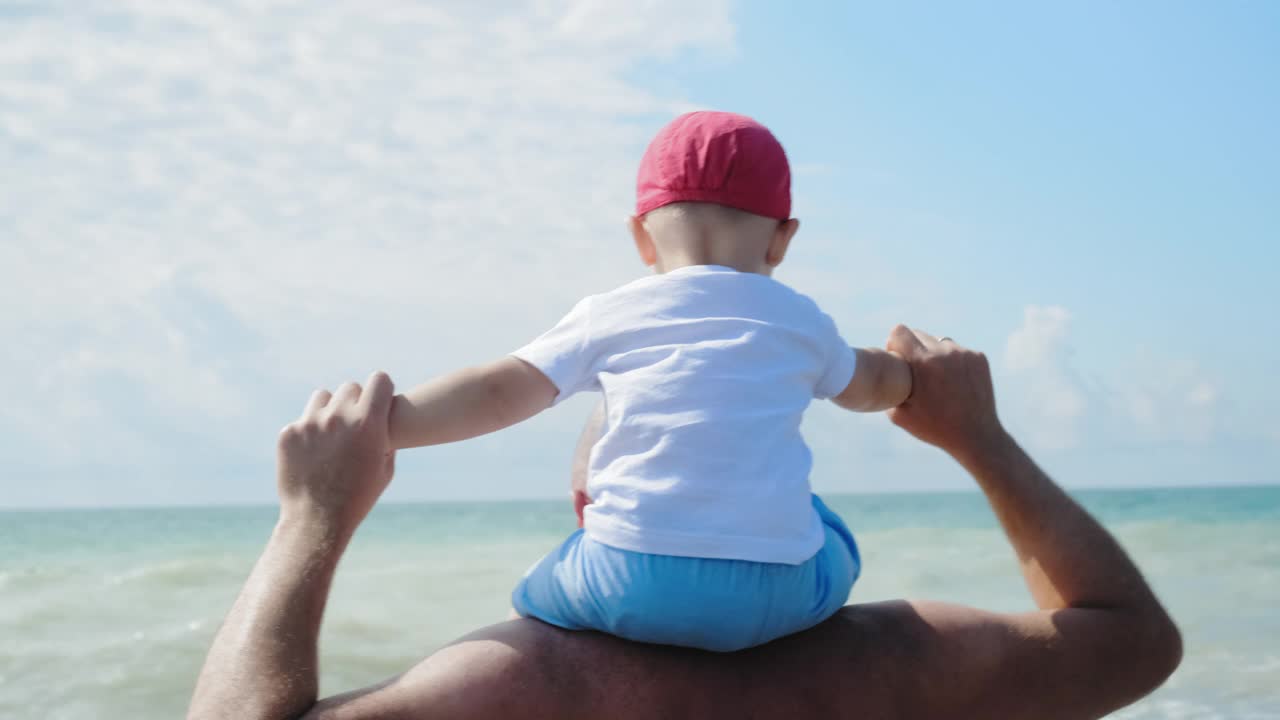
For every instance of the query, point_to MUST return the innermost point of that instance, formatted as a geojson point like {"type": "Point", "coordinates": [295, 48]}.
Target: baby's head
{"type": "Point", "coordinates": [714, 188]}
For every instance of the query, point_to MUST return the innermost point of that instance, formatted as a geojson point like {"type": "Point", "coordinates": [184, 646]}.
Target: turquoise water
{"type": "Point", "coordinates": [108, 613]}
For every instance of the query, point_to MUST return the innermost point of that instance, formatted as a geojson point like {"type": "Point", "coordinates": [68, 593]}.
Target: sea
{"type": "Point", "coordinates": [108, 613]}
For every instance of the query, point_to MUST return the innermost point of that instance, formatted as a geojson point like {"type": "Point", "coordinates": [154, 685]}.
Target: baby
{"type": "Point", "coordinates": [702, 530]}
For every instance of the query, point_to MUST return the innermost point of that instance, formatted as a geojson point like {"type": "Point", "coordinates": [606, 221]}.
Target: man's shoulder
{"type": "Point", "coordinates": [822, 672]}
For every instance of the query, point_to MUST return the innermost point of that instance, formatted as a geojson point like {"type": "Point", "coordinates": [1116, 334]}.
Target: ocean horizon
{"type": "Point", "coordinates": [925, 490]}
{"type": "Point", "coordinates": [108, 612]}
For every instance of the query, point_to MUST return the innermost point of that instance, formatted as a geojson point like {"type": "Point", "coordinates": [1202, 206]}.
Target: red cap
{"type": "Point", "coordinates": [716, 157]}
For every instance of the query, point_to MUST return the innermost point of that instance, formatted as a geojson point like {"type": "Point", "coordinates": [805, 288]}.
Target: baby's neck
{"type": "Point", "coordinates": [665, 265]}
{"type": "Point", "coordinates": [740, 255]}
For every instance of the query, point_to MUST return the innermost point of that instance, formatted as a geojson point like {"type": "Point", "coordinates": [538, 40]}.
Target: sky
{"type": "Point", "coordinates": [208, 209]}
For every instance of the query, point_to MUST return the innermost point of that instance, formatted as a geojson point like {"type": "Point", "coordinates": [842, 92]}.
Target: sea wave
{"type": "Point", "coordinates": [180, 572]}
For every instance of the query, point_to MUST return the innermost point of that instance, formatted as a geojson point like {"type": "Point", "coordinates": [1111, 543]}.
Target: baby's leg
{"type": "Point", "coordinates": [554, 590]}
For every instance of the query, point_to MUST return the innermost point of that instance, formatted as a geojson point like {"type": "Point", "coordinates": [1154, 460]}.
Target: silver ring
{"type": "Point", "coordinates": [944, 338]}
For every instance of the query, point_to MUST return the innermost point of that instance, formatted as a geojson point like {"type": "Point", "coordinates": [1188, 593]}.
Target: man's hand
{"type": "Point", "coordinates": [335, 460]}
{"type": "Point", "coordinates": [952, 404]}
{"type": "Point", "coordinates": [332, 464]}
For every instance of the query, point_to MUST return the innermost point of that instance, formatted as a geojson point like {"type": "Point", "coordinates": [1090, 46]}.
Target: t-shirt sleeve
{"type": "Point", "coordinates": [841, 361]}
{"type": "Point", "coordinates": [562, 353]}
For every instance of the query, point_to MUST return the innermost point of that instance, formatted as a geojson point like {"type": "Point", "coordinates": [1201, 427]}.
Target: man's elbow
{"type": "Point", "coordinates": [1166, 651]}
{"type": "Point", "coordinates": [1155, 652]}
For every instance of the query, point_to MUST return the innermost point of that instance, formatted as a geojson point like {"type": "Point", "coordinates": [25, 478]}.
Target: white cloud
{"type": "Point", "coordinates": [1169, 400]}
{"type": "Point", "coordinates": [1202, 395]}
{"type": "Point", "coordinates": [1150, 399]}
{"type": "Point", "coordinates": [1041, 339]}
{"type": "Point", "coordinates": [1050, 398]}
{"type": "Point", "coordinates": [200, 197]}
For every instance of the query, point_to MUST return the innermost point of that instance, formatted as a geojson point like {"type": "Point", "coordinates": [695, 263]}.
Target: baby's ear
{"type": "Point", "coordinates": [781, 241]}
{"type": "Point", "coordinates": [644, 242]}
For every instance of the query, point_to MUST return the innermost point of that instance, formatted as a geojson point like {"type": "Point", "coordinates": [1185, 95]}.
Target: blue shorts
{"type": "Point", "coordinates": [713, 604]}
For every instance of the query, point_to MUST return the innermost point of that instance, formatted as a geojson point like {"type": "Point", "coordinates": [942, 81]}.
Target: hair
{"type": "Point", "coordinates": [708, 218]}
{"type": "Point", "coordinates": [701, 213]}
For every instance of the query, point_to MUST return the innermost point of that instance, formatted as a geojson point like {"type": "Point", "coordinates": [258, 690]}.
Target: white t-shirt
{"type": "Point", "coordinates": [706, 372]}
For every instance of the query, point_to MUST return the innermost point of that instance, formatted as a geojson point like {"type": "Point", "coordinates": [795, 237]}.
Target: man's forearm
{"type": "Point", "coordinates": [263, 661]}
{"type": "Point", "coordinates": [1067, 558]}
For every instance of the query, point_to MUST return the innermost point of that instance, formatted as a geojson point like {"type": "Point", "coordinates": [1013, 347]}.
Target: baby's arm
{"type": "Point", "coordinates": [469, 403]}
{"type": "Point", "coordinates": [881, 380]}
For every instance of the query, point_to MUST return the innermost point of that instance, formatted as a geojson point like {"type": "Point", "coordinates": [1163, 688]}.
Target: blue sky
{"type": "Point", "coordinates": [211, 208]}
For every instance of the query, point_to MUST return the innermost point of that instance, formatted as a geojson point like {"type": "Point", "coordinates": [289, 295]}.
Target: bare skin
{"type": "Point", "coordinates": [1097, 640]}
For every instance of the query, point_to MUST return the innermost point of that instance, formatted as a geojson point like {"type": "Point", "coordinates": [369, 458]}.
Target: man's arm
{"type": "Point", "coordinates": [881, 380]}
{"type": "Point", "coordinates": [332, 464]}
{"type": "Point", "coordinates": [1100, 639]}
{"type": "Point", "coordinates": [263, 660]}
{"type": "Point", "coordinates": [468, 403]}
